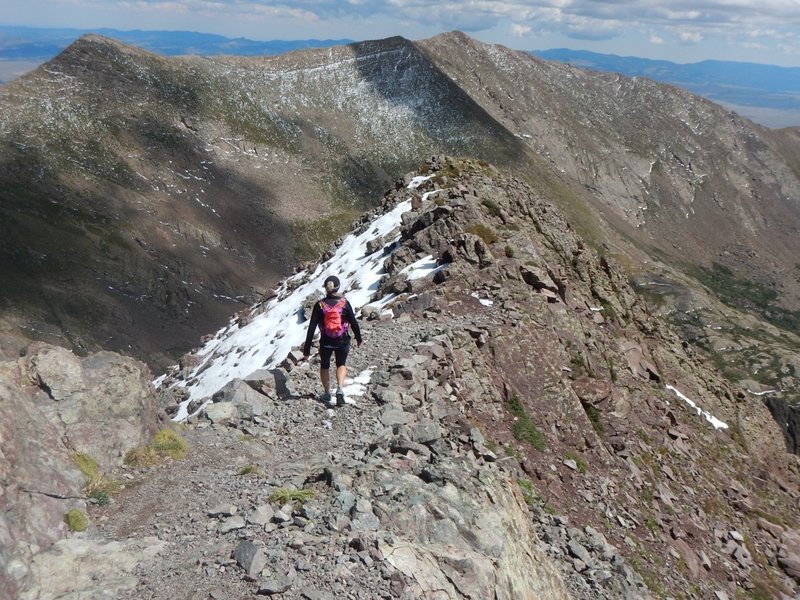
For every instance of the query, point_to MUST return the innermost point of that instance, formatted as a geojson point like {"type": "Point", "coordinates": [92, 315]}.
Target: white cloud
{"type": "Point", "coordinates": [789, 49]}
{"type": "Point", "coordinates": [593, 29]}
{"type": "Point", "coordinates": [518, 30]}
{"type": "Point", "coordinates": [690, 37]}
{"type": "Point", "coordinates": [657, 40]}
{"type": "Point", "coordinates": [753, 46]}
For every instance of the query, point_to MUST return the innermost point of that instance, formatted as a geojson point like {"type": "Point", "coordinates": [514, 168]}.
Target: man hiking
{"type": "Point", "coordinates": [333, 315]}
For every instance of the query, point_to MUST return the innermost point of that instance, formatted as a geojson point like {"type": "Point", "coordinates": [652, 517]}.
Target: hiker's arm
{"type": "Point", "coordinates": [312, 327]}
{"type": "Point", "coordinates": [351, 318]}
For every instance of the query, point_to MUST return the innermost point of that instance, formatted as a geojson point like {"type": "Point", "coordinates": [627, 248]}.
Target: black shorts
{"type": "Point", "coordinates": [341, 355]}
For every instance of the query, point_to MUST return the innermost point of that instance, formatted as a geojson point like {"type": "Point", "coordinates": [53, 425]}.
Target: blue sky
{"type": "Point", "coordinates": [765, 31]}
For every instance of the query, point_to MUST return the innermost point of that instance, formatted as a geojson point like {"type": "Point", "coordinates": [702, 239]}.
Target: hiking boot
{"type": "Point", "coordinates": [326, 398]}
{"type": "Point", "coordinates": [339, 397]}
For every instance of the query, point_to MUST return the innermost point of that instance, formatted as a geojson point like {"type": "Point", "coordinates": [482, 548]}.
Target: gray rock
{"type": "Point", "coordinates": [578, 551]}
{"type": "Point", "coordinates": [387, 396]}
{"type": "Point", "coordinates": [223, 510]}
{"type": "Point", "coordinates": [363, 505]}
{"type": "Point", "coordinates": [59, 370]}
{"type": "Point", "coordinates": [249, 402]}
{"type": "Point", "coordinates": [316, 595]}
{"type": "Point", "coordinates": [271, 587]}
{"type": "Point", "coordinates": [261, 515]}
{"type": "Point", "coordinates": [365, 522]}
{"type": "Point", "coordinates": [250, 557]}
{"type": "Point", "coordinates": [102, 405]}
{"type": "Point", "coordinates": [346, 500]}
{"type": "Point", "coordinates": [79, 567]}
{"type": "Point", "coordinates": [281, 516]}
{"type": "Point", "coordinates": [476, 437]}
{"type": "Point", "coordinates": [393, 415]}
{"type": "Point", "coordinates": [425, 431]}
{"type": "Point", "coordinates": [231, 524]}
{"type": "Point", "coordinates": [221, 412]}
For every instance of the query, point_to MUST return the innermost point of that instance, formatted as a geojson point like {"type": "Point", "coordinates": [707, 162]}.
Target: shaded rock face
{"type": "Point", "coordinates": [788, 417]}
{"type": "Point", "coordinates": [179, 203]}
{"type": "Point", "coordinates": [54, 405]}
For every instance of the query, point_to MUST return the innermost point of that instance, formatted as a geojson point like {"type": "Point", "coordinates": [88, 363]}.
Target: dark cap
{"type": "Point", "coordinates": [334, 280]}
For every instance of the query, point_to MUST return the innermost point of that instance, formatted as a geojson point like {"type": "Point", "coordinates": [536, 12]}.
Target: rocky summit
{"type": "Point", "coordinates": [519, 423]}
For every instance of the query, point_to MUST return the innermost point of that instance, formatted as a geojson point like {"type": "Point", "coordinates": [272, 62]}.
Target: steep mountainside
{"type": "Point", "coordinates": [683, 177]}
{"type": "Point", "coordinates": [764, 93]}
{"type": "Point", "coordinates": [711, 200]}
{"type": "Point", "coordinates": [144, 198]}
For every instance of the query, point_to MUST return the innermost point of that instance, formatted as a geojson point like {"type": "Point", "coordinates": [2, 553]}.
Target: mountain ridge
{"type": "Point", "coordinates": [169, 184]}
{"type": "Point", "coordinates": [521, 422]}
{"type": "Point", "coordinates": [767, 101]}
{"type": "Point", "coordinates": [16, 42]}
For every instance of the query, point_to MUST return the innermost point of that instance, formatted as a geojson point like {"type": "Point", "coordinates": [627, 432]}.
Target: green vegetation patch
{"type": "Point", "coordinates": [650, 578]}
{"type": "Point", "coordinates": [249, 470]}
{"type": "Point", "coordinates": [580, 462]}
{"type": "Point", "coordinates": [76, 520]}
{"type": "Point", "coordinates": [492, 207]}
{"type": "Point", "coordinates": [167, 443]}
{"type": "Point", "coordinates": [525, 430]}
{"type": "Point", "coordinates": [528, 493]}
{"type": "Point", "coordinates": [747, 295]}
{"type": "Point", "coordinates": [532, 497]}
{"type": "Point", "coordinates": [487, 234]}
{"type": "Point", "coordinates": [288, 495]}
{"type": "Point", "coordinates": [98, 486]}
{"type": "Point", "coordinates": [86, 464]}
{"type": "Point", "coordinates": [594, 415]}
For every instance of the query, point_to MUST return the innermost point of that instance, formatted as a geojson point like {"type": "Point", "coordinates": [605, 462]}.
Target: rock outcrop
{"type": "Point", "coordinates": [55, 406]}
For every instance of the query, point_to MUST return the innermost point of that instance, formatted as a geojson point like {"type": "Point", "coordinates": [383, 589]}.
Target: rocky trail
{"type": "Point", "coordinates": [210, 505]}
{"type": "Point", "coordinates": [406, 500]}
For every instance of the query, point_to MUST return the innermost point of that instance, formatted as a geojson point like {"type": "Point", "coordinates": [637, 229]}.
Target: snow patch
{"type": "Point", "coordinates": [715, 422]}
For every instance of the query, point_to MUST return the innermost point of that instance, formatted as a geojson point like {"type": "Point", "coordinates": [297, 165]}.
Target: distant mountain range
{"type": "Point", "coordinates": [29, 43]}
{"type": "Point", "coordinates": [767, 94]}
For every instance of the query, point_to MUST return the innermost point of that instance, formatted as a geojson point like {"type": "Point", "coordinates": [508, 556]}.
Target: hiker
{"type": "Point", "coordinates": [333, 315]}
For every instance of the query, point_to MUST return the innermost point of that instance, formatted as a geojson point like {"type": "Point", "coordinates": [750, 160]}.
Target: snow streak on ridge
{"type": "Point", "coordinates": [264, 342]}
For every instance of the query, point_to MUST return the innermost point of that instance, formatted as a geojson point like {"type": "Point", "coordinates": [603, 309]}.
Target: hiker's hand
{"type": "Point", "coordinates": [358, 343]}
{"type": "Point", "coordinates": [305, 357]}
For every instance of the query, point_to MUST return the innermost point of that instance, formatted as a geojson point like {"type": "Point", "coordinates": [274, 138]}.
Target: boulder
{"type": "Point", "coordinates": [249, 402]}
{"type": "Point", "coordinates": [221, 412]}
{"type": "Point", "coordinates": [55, 404]}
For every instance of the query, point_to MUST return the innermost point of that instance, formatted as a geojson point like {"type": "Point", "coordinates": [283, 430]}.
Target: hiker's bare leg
{"type": "Point", "coordinates": [341, 373]}
{"type": "Point", "coordinates": [325, 378]}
